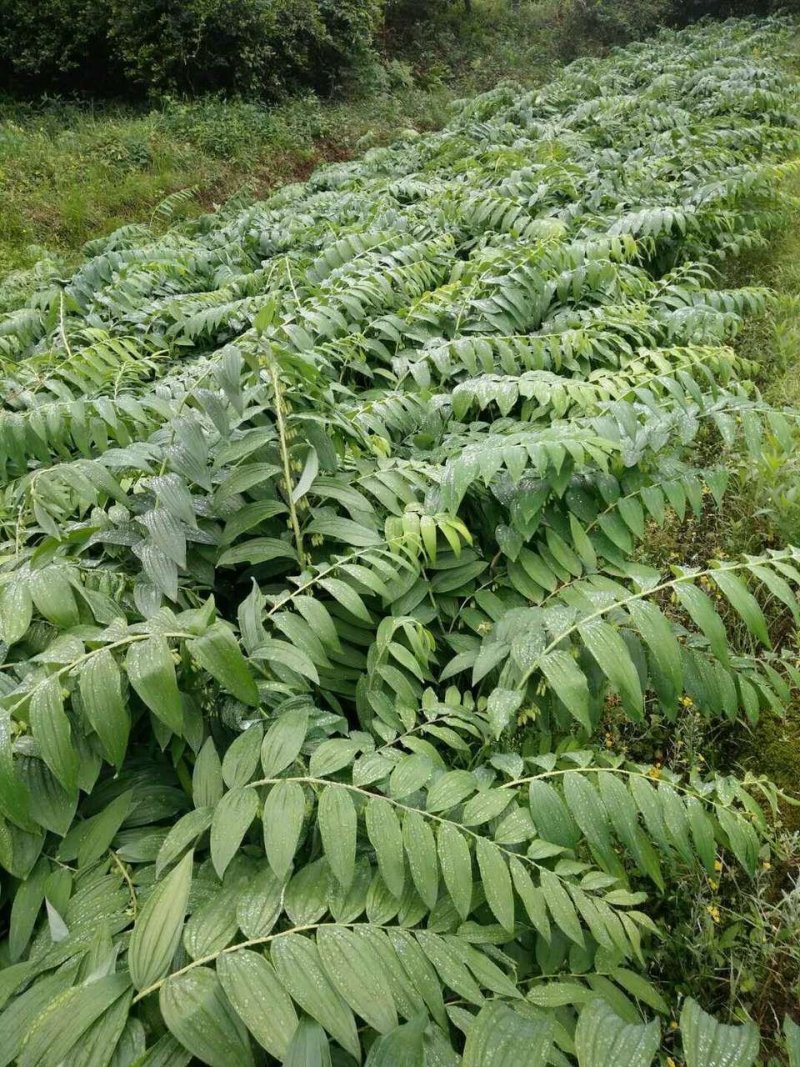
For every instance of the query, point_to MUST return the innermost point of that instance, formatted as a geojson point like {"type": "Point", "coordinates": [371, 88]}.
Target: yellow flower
{"type": "Point", "coordinates": [717, 865]}
{"type": "Point", "coordinates": [687, 701]}
{"type": "Point", "coordinates": [655, 771]}
{"type": "Point", "coordinates": [713, 911]}
{"type": "Point", "coordinates": [714, 885]}
{"type": "Point", "coordinates": [767, 865]}
{"type": "Point", "coordinates": [670, 1061]}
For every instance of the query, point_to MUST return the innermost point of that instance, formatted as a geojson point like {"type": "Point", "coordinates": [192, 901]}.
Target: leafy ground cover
{"type": "Point", "coordinates": [73, 169]}
{"type": "Point", "coordinates": [328, 595]}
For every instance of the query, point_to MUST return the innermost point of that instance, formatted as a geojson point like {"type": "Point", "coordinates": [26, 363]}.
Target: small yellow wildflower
{"type": "Point", "coordinates": [713, 911]}
{"type": "Point", "coordinates": [687, 701]}
{"type": "Point", "coordinates": [717, 865]}
{"type": "Point", "coordinates": [713, 885]}
{"type": "Point", "coordinates": [655, 772]}
{"type": "Point", "coordinates": [670, 1061]}
{"type": "Point", "coordinates": [673, 1024]}
{"type": "Point", "coordinates": [767, 866]}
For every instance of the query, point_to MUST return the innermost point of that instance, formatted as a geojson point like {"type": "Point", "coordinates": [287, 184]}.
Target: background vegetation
{"type": "Point", "coordinates": [97, 125]}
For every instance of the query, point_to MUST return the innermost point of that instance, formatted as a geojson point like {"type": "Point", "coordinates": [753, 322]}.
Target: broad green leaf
{"type": "Point", "coordinates": [53, 596]}
{"type": "Point", "coordinates": [20, 1016]}
{"type": "Point", "coordinates": [337, 822]}
{"type": "Point", "coordinates": [569, 684]}
{"type": "Point", "coordinates": [283, 741]}
{"type": "Point", "coordinates": [502, 1037]}
{"type": "Point", "coordinates": [792, 1033]}
{"type": "Point", "coordinates": [501, 706]}
{"type": "Point", "coordinates": [708, 1043]}
{"type": "Point", "coordinates": [207, 784]}
{"type": "Point", "coordinates": [241, 759]}
{"type": "Point", "coordinates": [101, 695]}
{"type": "Point", "coordinates": [331, 756]}
{"type": "Point", "coordinates": [496, 881]}
{"type": "Point", "coordinates": [420, 849]}
{"type": "Point", "coordinates": [183, 834]}
{"type": "Point", "coordinates": [409, 775]}
{"type": "Point", "coordinates": [353, 971]}
{"type": "Point", "coordinates": [420, 971]}
{"type": "Point", "coordinates": [198, 1013]}
{"type": "Point", "coordinates": [259, 904]}
{"type": "Point", "coordinates": [407, 1000]}
{"type": "Point", "coordinates": [550, 815]}
{"type": "Point", "coordinates": [286, 655]}
{"type": "Point", "coordinates": [450, 790]}
{"type": "Point", "coordinates": [16, 610]}
{"type": "Point", "coordinates": [700, 609]}
{"type": "Point", "coordinates": [664, 649]}
{"type": "Point", "coordinates": [166, 1052]}
{"type": "Point", "coordinates": [151, 671]}
{"type": "Point", "coordinates": [402, 1047]}
{"type": "Point", "coordinates": [53, 733]}
{"type": "Point", "coordinates": [15, 797]}
{"type": "Point", "coordinates": [284, 809]}
{"type": "Point", "coordinates": [27, 904]}
{"type": "Point", "coordinates": [252, 987]}
{"type": "Point", "coordinates": [485, 805]}
{"type": "Point", "coordinates": [158, 927]}
{"type": "Point", "coordinates": [307, 476]}
{"type": "Point", "coordinates": [257, 550]}
{"type": "Point", "coordinates": [743, 603]}
{"type": "Point", "coordinates": [531, 896]}
{"type": "Point", "coordinates": [301, 973]}
{"type": "Point", "coordinates": [100, 830]}
{"type": "Point", "coordinates": [456, 865]}
{"type": "Point", "coordinates": [561, 907]}
{"type": "Point", "coordinates": [212, 926]}
{"type": "Point", "coordinates": [309, 1047]}
{"type": "Point", "coordinates": [97, 1046]}
{"type": "Point", "coordinates": [587, 809]}
{"type": "Point", "coordinates": [612, 657]}
{"type": "Point", "coordinates": [67, 1019]}
{"type": "Point", "coordinates": [602, 1037]}
{"type": "Point", "coordinates": [218, 653]}
{"type": "Point", "coordinates": [450, 966]}
{"type": "Point", "coordinates": [232, 818]}
{"type": "Point", "coordinates": [347, 597]}
{"type": "Point", "coordinates": [386, 837]}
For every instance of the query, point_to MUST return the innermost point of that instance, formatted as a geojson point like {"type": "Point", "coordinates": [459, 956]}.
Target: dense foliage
{"type": "Point", "coordinates": [248, 46]}
{"type": "Point", "coordinates": [269, 48]}
{"type": "Point", "coordinates": [584, 24]}
{"type": "Point", "coordinates": [321, 581]}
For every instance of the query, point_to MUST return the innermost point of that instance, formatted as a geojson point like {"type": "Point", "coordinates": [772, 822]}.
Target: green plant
{"type": "Point", "coordinates": [321, 580]}
{"type": "Point", "coordinates": [263, 49]}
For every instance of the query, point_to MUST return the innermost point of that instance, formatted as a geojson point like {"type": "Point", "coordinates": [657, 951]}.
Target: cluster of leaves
{"type": "Point", "coordinates": [147, 46]}
{"type": "Point", "coordinates": [319, 574]}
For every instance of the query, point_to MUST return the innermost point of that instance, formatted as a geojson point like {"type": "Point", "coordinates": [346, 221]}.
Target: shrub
{"type": "Point", "coordinates": [582, 24]}
{"type": "Point", "coordinates": [249, 46]}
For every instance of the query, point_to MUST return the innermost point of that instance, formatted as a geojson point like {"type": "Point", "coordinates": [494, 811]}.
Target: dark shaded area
{"type": "Point", "coordinates": [136, 47]}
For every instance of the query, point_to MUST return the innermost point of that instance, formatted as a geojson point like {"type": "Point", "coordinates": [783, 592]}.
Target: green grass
{"type": "Point", "coordinates": [72, 170]}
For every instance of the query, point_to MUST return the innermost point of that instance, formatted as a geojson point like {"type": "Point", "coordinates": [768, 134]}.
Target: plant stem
{"type": "Point", "coordinates": [287, 469]}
